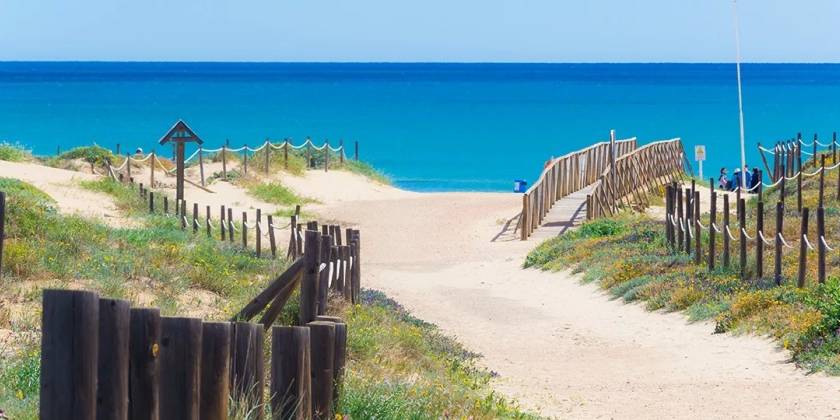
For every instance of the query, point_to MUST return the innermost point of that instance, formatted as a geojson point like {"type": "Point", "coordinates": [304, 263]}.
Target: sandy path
{"type": "Point", "coordinates": [562, 347]}
{"type": "Point", "coordinates": [62, 186]}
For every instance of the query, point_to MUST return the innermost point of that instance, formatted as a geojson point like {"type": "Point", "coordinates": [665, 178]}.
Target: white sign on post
{"type": "Point", "coordinates": [699, 157]}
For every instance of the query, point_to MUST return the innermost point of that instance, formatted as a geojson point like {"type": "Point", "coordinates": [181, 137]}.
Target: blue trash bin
{"type": "Point", "coordinates": [520, 185]}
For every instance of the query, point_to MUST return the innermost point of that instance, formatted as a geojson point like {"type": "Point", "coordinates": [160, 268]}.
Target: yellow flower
{"type": "Point", "coordinates": [19, 394]}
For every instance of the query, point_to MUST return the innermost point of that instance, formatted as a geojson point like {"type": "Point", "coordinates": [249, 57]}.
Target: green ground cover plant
{"type": "Point", "coordinates": [14, 152]}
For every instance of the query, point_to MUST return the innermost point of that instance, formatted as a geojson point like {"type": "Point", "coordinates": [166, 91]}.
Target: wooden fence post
{"type": "Point", "coordinates": [340, 358]}
{"type": "Point", "coordinates": [341, 152]}
{"type": "Point", "coordinates": [322, 335]}
{"type": "Point", "coordinates": [183, 205]}
{"type": "Point", "coordinates": [224, 161]}
{"type": "Point", "coordinates": [247, 365]}
{"type": "Point", "coordinates": [698, 250]}
{"type": "Point", "coordinates": [803, 248]}
{"type": "Point", "coordinates": [324, 257]}
{"type": "Point", "coordinates": [144, 368]}
{"type": "Point", "coordinates": [357, 151]}
{"type": "Point", "coordinates": [112, 370]}
{"type": "Point", "coordinates": [128, 165]}
{"type": "Point", "coordinates": [357, 268]}
{"type": "Point", "coordinates": [821, 244]}
{"type": "Point", "coordinates": [258, 231]}
{"type": "Point", "coordinates": [668, 216]}
{"type": "Point", "coordinates": [180, 378]}
{"type": "Point", "coordinates": [326, 155]}
{"type": "Point", "coordinates": [215, 371]}
{"type": "Point", "coordinates": [245, 230]}
{"type": "Point", "coordinates": [712, 223]}
{"type": "Point", "coordinates": [151, 202]}
{"type": "Point", "coordinates": [777, 248]}
{"type": "Point", "coordinates": [286, 154]}
{"type": "Point", "coordinates": [799, 185]}
{"type": "Point", "coordinates": [201, 163]}
{"type": "Point", "coordinates": [309, 281]}
{"type": "Point", "coordinates": [822, 181]}
{"type": "Point", "coordinates": [207, 222]}
{"type": "Point", "coordinates": [222, 222]}
{"type": "Point", "coordinates": [742, 226]}
{"type": "Point", "coordinates": [245, 160]}
{"type": "Point", "coordinates": [680, 229]}
{"type": "Point", "coordinates": [291, 380]}
{"type": "Point", "coordinates": [152, 170]}
{"type": "Point", "coordinates": [271, 240]}
{"type": "Point", "coordinates": [195, 217]}
{"type": "Point", "coordinates": [231, 230]}
{"type": "Point", "coordinates": [689, 219]}
{"type": "Point", "coordinates": [165, 205]}
{"type": "Point", "coordinates": [308, 153]}
{"type": "Point", "coordinates": [69, 354]}
{"type": "Point", "coordinates": [759, 242]}
{"type": "Point", "coordinates": [726, 230]}
{"type": "Point", "coordinates": [267, 155]}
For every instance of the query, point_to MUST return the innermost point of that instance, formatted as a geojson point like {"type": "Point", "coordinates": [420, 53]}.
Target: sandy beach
{"type": "Point", "coordinates": [559, 347]}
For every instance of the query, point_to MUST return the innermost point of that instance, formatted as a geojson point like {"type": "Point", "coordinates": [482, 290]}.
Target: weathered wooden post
{"type": "Point", "coordinates": [201, 163]}
{"type": "Point", "coordinates": [58, 151]}
{"type": "Point", "coordinates": [231, 229]}
{"type": "Point", "coordinates": [247, 365]}
{"type": "Point", "coordinates": [308, 153]}
{"type": "Point", "coordinates": [258, 232]}
{"type": "Point", "coordinates": [291, 380]}
{"type": "Point", "coordinates": [680, 229]}
{"type": "Point", "coordinates": [815, 150]}
{"type": "Point", "coordinates": [799, 184]}
{"type": "Point", "coordinates": [726, 230]}
{"type": "Point", "coordinates": [821, 244]}
{"type": "Point", "coordinates": [357, 151]}
{"type": "Point", "coordinates": [215, 371]}
{"type": "Point", "coordinates": [742, 226]}
{"type": "Point", "coordinates": [325, 255]}
{"type": "Point", "coordinates": [207, 222]}
{"type": "Point", "coordinates": [803, 248]}
{"type": "Point", "coordinates": [195, 218]}
{"type": "Point", "coordinates": [777, 248]}
{"type": "Point", "coordinates": [183, 207]}
{"type": "Point", "coordinates": [165, 205]}
{"type": "Point", "coordinates": [698, 250]}
{"type": "Point", "coordinates": [322, 335]}
{"type": "Point", "coordinates": [326, 155]}
{"type": "Point", "coordinates": [179, 135]}
{"type": "Point", "coordinates": [144, 368]}
{"type": "Point", "coordinates": [267, 147]}
{"type": "Point", "coordinates": [152, 170]}
{"type": "Point", "coordinates": [151, 202]}
{"type": "Point", "coordinates": [822, 181]}
{"type": "Point", "coordinates": [69, 354]}
{"type": "Point", "coordinates": [245, 230]}
{"type": "Point", "coordinates": [309, 281]}
{"type": "Point", "coordinates": [286, 154]}
{"type": "Point", "coordinates": [668, 215]}
{"type": "Point", "coordinates": [128, 165]}
{"type": "Point", "coordinates": [224, 160]}
{"type": "Point", "coordinates": [222, 222]}
{"type": "Point", "coordinates": [689, 219]}
{"type": "Point", "coordinates": [712, 224]}
{"type": "Point", "coordinates": [759, 242]}
{"type": "Point", "coordinates": [112, 371]}
{"type": "Point", "coordinates": [834, 148]}
{"type": "Point", "coordinates": [339, 361]}
{"type": "Point", "coordinates": [341, 153]}
{"type": "Point", "coordinates": [180, 379]}
{"type": "Point", "coordinates": [782, 192]}
{"type": "Point", "coordinates": [271, 240]}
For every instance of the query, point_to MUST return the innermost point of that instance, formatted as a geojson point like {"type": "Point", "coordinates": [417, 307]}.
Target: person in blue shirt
{"type": "Point", "coordinates": [736, 179]}
{"type": "Point", "coordinates": [755, 180]}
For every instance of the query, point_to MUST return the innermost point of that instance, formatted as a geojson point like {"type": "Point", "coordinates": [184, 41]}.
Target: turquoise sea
{"type": "Point", "coordinates": [431, 127]}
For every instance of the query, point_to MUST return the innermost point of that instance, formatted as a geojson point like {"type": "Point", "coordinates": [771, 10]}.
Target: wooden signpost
{"type": "Point", "coordinates": [179, 135]}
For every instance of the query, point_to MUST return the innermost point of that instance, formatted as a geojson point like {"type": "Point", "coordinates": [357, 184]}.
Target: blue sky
{"type": "Point", "coordinates": [427, 30]}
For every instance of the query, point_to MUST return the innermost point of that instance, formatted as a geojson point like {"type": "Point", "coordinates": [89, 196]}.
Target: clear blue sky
{"type": "Point", "coordinates": [425, 30]}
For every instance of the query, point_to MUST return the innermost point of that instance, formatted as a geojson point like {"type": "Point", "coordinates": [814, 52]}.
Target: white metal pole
{"type": "Point", "coordinates": [740, 95]}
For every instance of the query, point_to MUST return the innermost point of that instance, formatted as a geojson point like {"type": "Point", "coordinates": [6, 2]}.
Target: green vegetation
{"type": "Point", "coordinates": [275, 193]}
{"type": "Point", "coordinates": [398, 366]}
{"type": "Point", "coordinates": [14, 152]}
{"type": "Point", "coordinates": [365, 169]}
{"type": "Point", "coordinates": [96, 155]}
{"type": "Point", "coordinates": [402, 368]}
{"type": "Point", "coordinates": [627, 255]}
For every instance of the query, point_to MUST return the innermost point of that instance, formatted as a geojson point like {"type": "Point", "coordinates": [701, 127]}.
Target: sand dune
{"type": "Point", "coordinates": [561, 348]}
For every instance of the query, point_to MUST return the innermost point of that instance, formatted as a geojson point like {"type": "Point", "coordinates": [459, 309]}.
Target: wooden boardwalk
{"type": "Point", "coordinates": [566, 213]}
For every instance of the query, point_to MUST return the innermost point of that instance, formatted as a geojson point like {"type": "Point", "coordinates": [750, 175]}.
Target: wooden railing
{"type": "Point", "coordinates": [563, 176]}
{"type": "Point", "coordinates": [633, 176]}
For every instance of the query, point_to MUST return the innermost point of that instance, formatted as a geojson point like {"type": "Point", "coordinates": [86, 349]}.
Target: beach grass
{"type": "Point", "coordinates": [627, 256]}
{"type": "Point", "coordinates": [14, 152]}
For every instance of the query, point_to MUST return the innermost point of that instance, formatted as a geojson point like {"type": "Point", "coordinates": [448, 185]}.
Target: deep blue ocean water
{"type": "Point", "coordinates": [431, 127]}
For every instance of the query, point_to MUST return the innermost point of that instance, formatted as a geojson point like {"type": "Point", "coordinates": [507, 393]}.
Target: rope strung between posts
{"type": "Point", "coordinates": [746, 235]}
{"type": "Point", "coordinates": [763, 239]}
{"type": "Point", "coordinates": [783, 241]}
{"type": "Point", "coordinates": [729, 232]}
{"type": "Point", "coordinates": [807, 242]}
{"type": "Point", "coordinates": [825, 244]}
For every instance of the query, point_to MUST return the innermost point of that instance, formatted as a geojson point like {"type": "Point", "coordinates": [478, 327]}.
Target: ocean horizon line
{"type": "Point", "coordinates": [2, 61]}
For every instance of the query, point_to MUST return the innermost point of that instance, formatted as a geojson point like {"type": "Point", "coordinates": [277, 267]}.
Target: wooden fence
{"type": "Point", "coordinates": [101, 359]}
{"type": "Point", "coordinates": [633, 176]}
{"type": "Point", "coordinates": [563, 176]}
{"type": "Point", "coordinates": [123, 171]}
{"type": "Point", "coordinates": [684, 229]}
